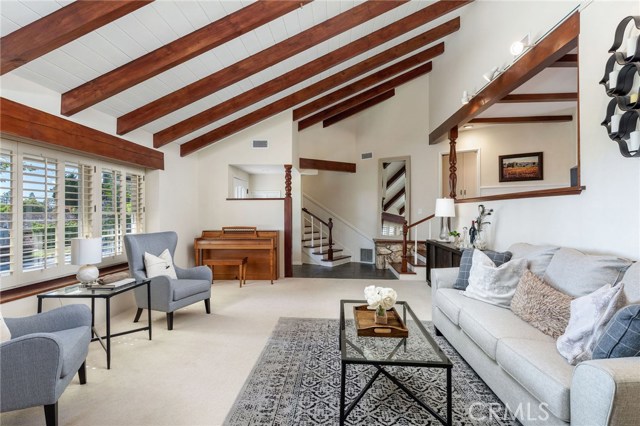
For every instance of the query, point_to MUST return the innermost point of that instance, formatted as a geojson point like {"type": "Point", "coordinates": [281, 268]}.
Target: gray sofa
{"type": "Point", "coordinates": [522, 365]}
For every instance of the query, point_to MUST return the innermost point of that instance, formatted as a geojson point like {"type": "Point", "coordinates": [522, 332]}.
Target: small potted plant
{"type": "Point", "coordinates": [456, 238]}
{"type": "Point", "coordinates": [381, 299]}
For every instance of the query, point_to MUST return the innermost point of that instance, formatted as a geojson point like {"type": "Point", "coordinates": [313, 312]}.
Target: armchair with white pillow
{"type": "Point", "coordinates": [151, 256]}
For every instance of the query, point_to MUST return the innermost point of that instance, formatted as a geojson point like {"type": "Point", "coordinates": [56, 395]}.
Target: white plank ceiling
{"type": "Point", "coordinates": [161, 22]}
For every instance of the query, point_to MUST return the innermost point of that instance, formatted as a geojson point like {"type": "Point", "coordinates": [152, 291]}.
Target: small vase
{"type": "Point", "coordinates": [381, 316]}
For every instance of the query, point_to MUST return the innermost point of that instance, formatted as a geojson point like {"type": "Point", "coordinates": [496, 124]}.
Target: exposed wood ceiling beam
{"type": "Point", "coordinates": [401, 210]}
{"type": "Point", "coordinates": [554, 46]}
{"type": "Point", "coordinates": [357, 86]}
{"type": "Point", "coordinates": [358, 108]}
{"type": "Point", "coordinates": [567, 61]}
{"type": "Point", "coordinates": [332, 166]}
{"type": "Point", "coordinates": [328, 83]}
{"type": "Point", "coordinates": [29, 124]}
{"type": "Point", "coordinates": [520, 120]}
{"type": "Point", "coordinates": [59, 28]}
{"type": "Point", "coordinates": [396, 176]}
{"type": "Point", "coordinates": [539, 97]}
{"type": "Point", "coordinates": [395, 198]}
{"type": "Point", "coordinates": [255, 63]}
{"type": "Point", "coordinates": [314, 67]}
{"type": "Point", "coordinates": [175, 53]}
{"type": "Point", "coordinates": [364, 96]}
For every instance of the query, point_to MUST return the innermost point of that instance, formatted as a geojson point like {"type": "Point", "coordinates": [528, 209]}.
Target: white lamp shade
{"type": "Point", "coordinates": [445, 207]}
{"type": "Point", "coordinates": [86, 251]}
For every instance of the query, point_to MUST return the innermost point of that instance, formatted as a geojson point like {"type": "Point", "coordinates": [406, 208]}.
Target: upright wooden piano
{"type": "Point", "coordinates": [233, 242]}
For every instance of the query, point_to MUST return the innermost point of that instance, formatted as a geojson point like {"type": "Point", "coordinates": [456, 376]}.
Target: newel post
{"type": "Point", "coordinates": [330, 252]}
{"type": "Point", "coordinates": [288, 223]}
{"type": "Point", "coordinates": [405, 231]}
{"type": "Point", "coordinates": [453, 161]}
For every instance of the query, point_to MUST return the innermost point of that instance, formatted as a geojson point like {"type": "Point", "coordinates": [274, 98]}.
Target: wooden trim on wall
{"type": "Point", "coordinates": [331, 166]}
{"type": "Point", "coordinates": [59, 28]}
{"type": "Point", "coordinates": [571, 190]}
{"type": "Point", "coordinates": [30, 124]}
{"type": "Point", "coordinates": [53, 284]}
{"type": "Point", "coordinates": [521, 120]}
{"type": "Point", "coordinates": [549, 50]}
{"type": "Point", "coordinates": [539, 97]}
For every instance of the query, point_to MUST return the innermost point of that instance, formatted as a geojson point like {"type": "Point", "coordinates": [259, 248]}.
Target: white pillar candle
{"type": "Point", "coordinates": [634, 141]}
{"type": "Point", "coordinates": [632, 43]}
{"type": "Point", "coordinates": [613, 79]}
{"type": "Point", "coordinates": [615, 122]}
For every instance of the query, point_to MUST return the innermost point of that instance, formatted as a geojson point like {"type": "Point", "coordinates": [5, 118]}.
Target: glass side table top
{"type": "Point", "coordinates": [77, 290]}
{"type": "Point", "coordinates": [419, 349]}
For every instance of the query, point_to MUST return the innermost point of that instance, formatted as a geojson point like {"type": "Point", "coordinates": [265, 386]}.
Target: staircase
{"type": "Point", "coordinates": [416, 267]}
{"type": "Point", "coordinates": [318, 246]}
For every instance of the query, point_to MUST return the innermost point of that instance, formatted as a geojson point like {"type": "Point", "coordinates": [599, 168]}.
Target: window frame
{"type": "Point", "coordinates": [17, 277]}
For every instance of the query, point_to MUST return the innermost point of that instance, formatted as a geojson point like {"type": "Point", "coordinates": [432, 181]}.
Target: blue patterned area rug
{"type": "Point", "coordinates": [296, 381]}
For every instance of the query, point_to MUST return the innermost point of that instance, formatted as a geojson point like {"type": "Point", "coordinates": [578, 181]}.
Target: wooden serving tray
{"type": "Point", "coordinates": [366, 326]}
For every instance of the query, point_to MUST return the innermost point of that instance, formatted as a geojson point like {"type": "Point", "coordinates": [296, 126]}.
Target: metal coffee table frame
{"type": "Point", "coordinates": [78, 292]}
{"type": "Point", "coordinates": [345, 360]}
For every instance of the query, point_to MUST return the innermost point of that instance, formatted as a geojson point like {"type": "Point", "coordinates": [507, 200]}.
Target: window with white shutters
{"type": "Point", "coordinates": [135, 204]}
{"type": "Point", "coordinates": [112, 210]}
{"type": "Point", "coordinates": [7, 212]}
{"type": "Point", "coordinates": [78, 204]}
{"type": "Point", "coordinates": [40, 197]}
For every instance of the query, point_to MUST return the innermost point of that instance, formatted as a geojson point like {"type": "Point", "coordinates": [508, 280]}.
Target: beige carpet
{"type": "Point", "coordinates": [191, 375]}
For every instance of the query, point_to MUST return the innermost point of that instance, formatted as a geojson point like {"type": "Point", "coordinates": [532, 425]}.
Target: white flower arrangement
{"type": "Point", "coordinates": [380, 298]}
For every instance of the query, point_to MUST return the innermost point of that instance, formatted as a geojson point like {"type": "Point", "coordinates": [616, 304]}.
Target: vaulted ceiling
{"type": "Point", "coordinates": [195, 72]}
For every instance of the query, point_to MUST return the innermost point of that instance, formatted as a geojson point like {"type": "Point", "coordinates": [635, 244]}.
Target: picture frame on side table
{"type": "Point", "coordinates": [520, 167]}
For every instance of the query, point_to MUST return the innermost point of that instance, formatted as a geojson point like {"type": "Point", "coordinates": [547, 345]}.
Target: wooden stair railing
{"type": "Point", "coordinates": [405, 232]}
{"type": "Point", "coordinates": [329, 226]}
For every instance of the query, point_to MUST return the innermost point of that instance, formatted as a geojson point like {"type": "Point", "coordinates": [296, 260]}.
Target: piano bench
{"type": "Point", "coordinates": [241, 263]}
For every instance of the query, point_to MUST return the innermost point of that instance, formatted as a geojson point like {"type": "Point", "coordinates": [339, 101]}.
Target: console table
{"type": "Point", "coordinates": [441, 255]}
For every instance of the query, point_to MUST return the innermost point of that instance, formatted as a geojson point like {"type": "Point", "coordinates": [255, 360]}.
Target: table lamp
{"type": "Point", "coordinates": [445, 208]}
{"type": "Point", "coordinates": [86, 252]}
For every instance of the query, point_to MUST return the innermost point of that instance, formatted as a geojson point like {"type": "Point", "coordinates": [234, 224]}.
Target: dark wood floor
{"type": "Point", "coordinates": [355, 270]}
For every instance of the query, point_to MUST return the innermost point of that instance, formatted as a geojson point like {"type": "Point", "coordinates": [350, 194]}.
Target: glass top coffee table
{"type": "Point", "coordinates": [419, 349]}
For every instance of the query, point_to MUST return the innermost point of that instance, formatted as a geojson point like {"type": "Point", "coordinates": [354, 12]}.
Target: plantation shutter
{"type": "Point", "coordinates": [135, 204]}
{"type": "Point", "coordinates": [112, 209]}
{"type": "Point", "coordinates": [40, 197]}
{"type": "Point", "coordinates": [7, 212]}
{"type": "Point", "coordinates": [77, 204]}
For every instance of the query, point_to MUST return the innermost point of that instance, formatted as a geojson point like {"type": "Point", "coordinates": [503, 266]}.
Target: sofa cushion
{"type": "Point", "coordinates": [538, 257]}
{"type": "Point", "coordinates": [466, 262]}
{"type": "Point", "coordinates": [75, 344]}
{"type": "Point", "coordinates": [186, 288]}
{"type": "Point", "coordinates": [486, 325]}
{"type": "Point", "coordinates": [631, 282]}
{"type": "Point", "coordinates": [540, 369]}
{"type": "Point", "coordinates": [622, 336]}
{"type": "Point", "coordinates": [541, 305]}
{"type": "Point", "coordinates": [578, 274]}
{"type": "Point", "coordinates": [450, 301]}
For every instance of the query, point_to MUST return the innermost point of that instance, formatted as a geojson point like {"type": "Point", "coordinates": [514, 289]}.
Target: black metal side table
{"type": "Point", "coordinates": [79, 292]}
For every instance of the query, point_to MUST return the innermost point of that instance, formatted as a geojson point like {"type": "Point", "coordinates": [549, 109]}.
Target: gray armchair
{"type": "Point", "coordinates": [42, 357]}
{"type": "Point", "coordinates": [167, 295]}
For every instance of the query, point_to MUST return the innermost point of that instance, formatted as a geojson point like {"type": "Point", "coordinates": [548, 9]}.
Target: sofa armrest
{"type": "Point", "coordinates": [443, 278]}
{"type": "Point", "coordinates": [30, 367]}
{"type": "Point", "coordinates": [63, 318]}
{"type": "Point", "coordinates": [196, 273]}
{"type": "Point", "coordinates": [605, 392]}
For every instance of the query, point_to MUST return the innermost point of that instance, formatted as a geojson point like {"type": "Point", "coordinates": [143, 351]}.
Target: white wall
{"type": "Point", "coordinates": [215, 211]}
{"type": "Point", "coordinates": [268, 182]}
{"type": "Point", "coordinates": [604, 218]}
{"type": "Point", "coordinates": [557, 141]}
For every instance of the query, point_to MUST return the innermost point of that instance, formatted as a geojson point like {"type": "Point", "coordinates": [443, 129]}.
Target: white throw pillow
{"type": "Point", "coordinates": [159, 265]}
{"type": "Point", "coordinates": [590, 314]}
{"type": "Point", "coordinates": [494, 284]}
{"type": "Point", "coordinates": [5, 333]}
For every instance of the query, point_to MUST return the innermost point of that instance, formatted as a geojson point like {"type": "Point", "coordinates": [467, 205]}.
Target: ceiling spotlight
{"type": "Point", "coordinates": [468, 126]}
{"type": "Point", "coordinates": [519, 46]}
{"type": "Point", "coordinates": [465, 98]}
{"type": "Point", "coordinates": [491, 74]}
